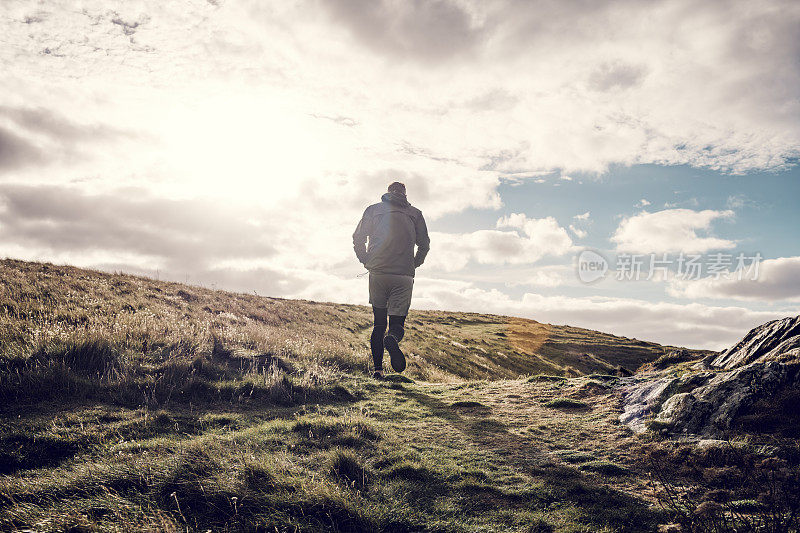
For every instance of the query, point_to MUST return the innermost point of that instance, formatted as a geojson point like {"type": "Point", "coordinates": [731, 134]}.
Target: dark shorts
{"type": "Point", "coordinates": [391, 291]}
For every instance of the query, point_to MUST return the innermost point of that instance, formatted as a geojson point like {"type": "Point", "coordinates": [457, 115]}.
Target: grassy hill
{"type": "Point", "coordinates": [130, 403]}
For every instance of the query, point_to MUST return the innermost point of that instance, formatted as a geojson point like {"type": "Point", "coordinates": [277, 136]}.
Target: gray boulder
{"type": "Point", "coordinates": [643, 399]}
{"type": "Point", "coordinates": [776, 340]}
{"type": "Point", "coordinates": [707, 403]}
{"type": "Point", "coordinates": [710, 409]}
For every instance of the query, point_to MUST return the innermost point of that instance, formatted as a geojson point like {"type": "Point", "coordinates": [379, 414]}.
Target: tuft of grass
{"type": "Point", "coordinates": [22, 452]}
{"type": "Point", "coordinates": [657, 426]}
{"type": "Point", "coordinates": [747, 506]}
{"type": "Point", "coordinates": [673, 357]}
{"type": "Point", "coordinates": [566, 403]}
{"type": "Point", "coordinates": [594, 385]}
{"type": "Point", "coordinates": [398, 378]}
{"type": "Point", "coordinates": [328, 431]}
{"type": "Point", "coordinates": [576, 457]}
{"type": "Point", "coordinates": [606, 468]}
{"type": "Point", "coordinates": [410, 471]}
{"type": "Point", "coordinates": [90, 356]}
{"type": "Point", "coordinates": [603, 377]}
{"type": "Point", "coordinates": [731, 486]}
{"type": "Point", "coordinates": [546, 377]}
{"type": "Point", "coordinates": [540, 526]}
{"type": "Point", "coordinates": [468, 404]}
{"type": "Point", "coordinates": [347, 468]}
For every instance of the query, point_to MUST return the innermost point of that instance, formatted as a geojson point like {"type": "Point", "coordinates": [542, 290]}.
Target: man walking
{"type": "Point", "coordinates": [393, 226]}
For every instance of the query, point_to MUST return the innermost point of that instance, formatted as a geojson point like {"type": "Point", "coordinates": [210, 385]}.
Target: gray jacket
{"type": "Point", "coordinates": [393, 227]}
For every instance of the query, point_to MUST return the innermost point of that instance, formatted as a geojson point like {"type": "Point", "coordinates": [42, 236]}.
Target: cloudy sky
{"type": "Point", "coordinates": [235, 143]}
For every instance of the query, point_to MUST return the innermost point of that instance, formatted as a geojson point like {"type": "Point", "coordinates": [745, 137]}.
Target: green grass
{"type": "Point", "coordinates": [566, 403]}
{"type": "Point", "coordinates": [468, 404]}
{"type": "Point", "coordinates": [546, 377]}
{"type": "Point", "coordinates": [604, 377]}
{"type": "Point", "coordinates": [576, 457]}
{"type": "Point", "coordinates": [133, 404]}
{"type": "Point", "coordinates": [397, 378]}
{"type": "Point", "coordinates": [606, 468]}
{"type": "Point", "coordinates": [657, 426]}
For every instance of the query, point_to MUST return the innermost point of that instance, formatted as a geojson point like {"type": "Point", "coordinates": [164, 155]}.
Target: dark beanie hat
{"type": "Point", "coordinates": [398, 188]}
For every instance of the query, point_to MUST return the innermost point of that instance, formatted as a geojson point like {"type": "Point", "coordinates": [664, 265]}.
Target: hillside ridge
{"type": "Point", "coordinates": [441, 345]}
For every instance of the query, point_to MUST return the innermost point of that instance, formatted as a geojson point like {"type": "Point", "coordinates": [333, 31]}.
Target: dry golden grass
{"type": "Point", "coordinates": [44, 306]}
{"type": "Point", "coordinates": [528, 335]}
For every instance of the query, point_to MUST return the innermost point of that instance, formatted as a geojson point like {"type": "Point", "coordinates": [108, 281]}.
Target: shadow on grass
{"type": "Point", "coordinates": [28, 442]}
{"type": "Point", "coordinates": [21, 452]}
{"type": "Point", "coordinates": [205, 486]}
{"type": "Point", "coordinates": [595, 505]}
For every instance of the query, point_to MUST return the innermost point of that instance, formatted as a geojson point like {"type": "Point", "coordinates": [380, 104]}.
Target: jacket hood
{"type": "Point", "coordinates": [396, 199]}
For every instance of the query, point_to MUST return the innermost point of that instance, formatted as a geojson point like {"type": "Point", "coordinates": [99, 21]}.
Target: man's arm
{"type": "Point", "coordinates": [360, 237]}
{"type": "Point", "coordinates": [423, 241]}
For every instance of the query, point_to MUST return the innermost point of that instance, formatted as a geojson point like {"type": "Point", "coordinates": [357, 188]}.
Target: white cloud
{"type": "Point", "coordinates": [671, 83]}
{"type": "Point", "coordinates": [548, 276]}
{"type": "Point", "coordinates": [535, 239]}
{"type": "Point", "coordinates": [580, 219]}
{"type": "Point", "coordinates": [692, 325]}
{"type": "Point", "coordinates": [579, 233]}
{"type": "Point", "coordinates": [290, 117]}
{"type": "Point", "coordinates": [670, 230]}
{"type": "Point", "coordinates": [775, 279]}
{"type": "Point", "coordinates": [736, 201]}
{"type": "Point", "coordinates": [643, 203]}
{"type": "Point", "coordinates": [65, 223]}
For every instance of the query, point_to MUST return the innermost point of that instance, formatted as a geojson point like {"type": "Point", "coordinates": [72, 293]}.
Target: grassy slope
{"type": "Point", "coordinates": [128, 400]}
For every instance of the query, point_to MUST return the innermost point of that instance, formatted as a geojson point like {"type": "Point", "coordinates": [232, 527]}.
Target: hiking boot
{"type": "Point", "coordinates": [395, 353]}
{"type": "Point", "coordinates": [378, 374]}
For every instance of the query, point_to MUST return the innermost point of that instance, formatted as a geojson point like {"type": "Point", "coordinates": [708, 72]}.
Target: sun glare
{"type": "Point", "coordinates": [246, 148]}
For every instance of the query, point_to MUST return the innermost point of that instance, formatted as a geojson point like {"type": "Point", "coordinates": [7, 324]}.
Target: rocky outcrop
{"type": "Point", "coordinates": [711, 408]}
{"type": "Point", "coordinates": [643, 399]}
{"type": "Point", "coordinates": [707, 403]}
{"type": "Point", "coordinates": [776, 340]}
